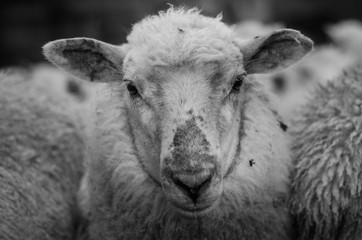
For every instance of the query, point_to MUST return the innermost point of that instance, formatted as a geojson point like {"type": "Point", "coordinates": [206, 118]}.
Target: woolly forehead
{"type": "Point", "coordinates": [177, 37]}
{"type": "Point", "coordinates": [139, 65]}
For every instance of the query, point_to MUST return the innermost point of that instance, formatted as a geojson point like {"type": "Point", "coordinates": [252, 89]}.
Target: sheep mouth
{"type": "Point", "coordinates": [196, 211]}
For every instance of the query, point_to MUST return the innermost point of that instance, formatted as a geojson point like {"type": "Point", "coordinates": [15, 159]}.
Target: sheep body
{"type": "Point", "coordinates": [41, 152]}
{"type": "Point", "coordinates": [324, 64]}
{"type": "Point", "coordinates": [327, 140]}
{"type": "Point", "coordinates": [181, 144]}
{"type": "Point", "coordinates": [121, 200]}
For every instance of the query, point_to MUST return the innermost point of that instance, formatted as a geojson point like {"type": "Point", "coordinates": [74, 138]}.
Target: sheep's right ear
{"type": "Point", "coordinates": [87, 59]}
{"type": "Point", "coordinates": [274, 51]}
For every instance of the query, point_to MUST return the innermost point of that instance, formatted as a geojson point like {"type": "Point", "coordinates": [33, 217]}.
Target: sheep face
{"type": "Point", "coordinates": [188, 110]}
{"type": "Point", "coordinates": [186, 80]}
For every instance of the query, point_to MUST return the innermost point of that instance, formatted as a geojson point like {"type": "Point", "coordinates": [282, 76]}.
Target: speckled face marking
{"type": "Point", "coordinates": [191, 167]}
{"type": "Point", "coordinates": [190, 153]}
{"type": "Point", "coordinates": [190, 149]}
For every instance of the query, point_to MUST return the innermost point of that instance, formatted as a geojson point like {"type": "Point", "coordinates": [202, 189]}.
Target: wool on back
{"type": "Point", "coordinates": [327, 182]}
{"type": "Point", "coordinates": [41, 153]}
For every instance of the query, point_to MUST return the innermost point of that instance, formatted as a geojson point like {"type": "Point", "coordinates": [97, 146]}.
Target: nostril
{"type": "Point", "coordinates": [192, 186]}
{"type": "Point", "coordinates": [279, 83]}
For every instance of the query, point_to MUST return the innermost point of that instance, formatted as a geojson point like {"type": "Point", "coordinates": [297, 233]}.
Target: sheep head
{"type": "Point", "coordinates": [186, 77]}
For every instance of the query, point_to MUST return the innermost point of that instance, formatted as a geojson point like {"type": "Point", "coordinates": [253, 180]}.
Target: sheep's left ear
{"type": "Point", "coordinates": [87, 59]}
{"type": "Point", "coordinates": [274, 51]}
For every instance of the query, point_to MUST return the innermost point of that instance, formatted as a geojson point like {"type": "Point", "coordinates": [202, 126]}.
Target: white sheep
{"type": "Point", "coordinates": [327, 140]}
{"type": "Point", "coordinates": [182, 144]}
{"type": "Point", "coordinates": [41, 156]}
{"type": "Point", "coordinates": [293, 85]}
{"type": "Point", "coordinates": [347, 35]}
{"type": "Point", "coordinates": [60, 83]}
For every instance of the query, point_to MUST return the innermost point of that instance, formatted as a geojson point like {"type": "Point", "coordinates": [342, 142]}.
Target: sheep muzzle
{"type": "Point", "coordinates": [192, 192]}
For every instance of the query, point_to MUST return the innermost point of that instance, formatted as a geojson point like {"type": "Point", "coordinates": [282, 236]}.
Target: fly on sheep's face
{"type": "Point", "coordinates": [187, 94]}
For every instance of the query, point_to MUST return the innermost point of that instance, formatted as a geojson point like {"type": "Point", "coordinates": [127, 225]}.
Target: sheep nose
{"type": "Point", "coordinates": [193, 186]}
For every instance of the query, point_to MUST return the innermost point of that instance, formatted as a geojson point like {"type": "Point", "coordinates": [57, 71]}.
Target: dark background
{"type": "Point", "coordinates": [25, 25]}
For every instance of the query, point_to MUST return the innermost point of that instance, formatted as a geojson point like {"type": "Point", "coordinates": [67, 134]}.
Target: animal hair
{"type": "Point", "coordinates": [41, 156]}
{"type": "Point", "coordinates": [174, 99]}
{"type": "Point", "coordinates": [327, 183]}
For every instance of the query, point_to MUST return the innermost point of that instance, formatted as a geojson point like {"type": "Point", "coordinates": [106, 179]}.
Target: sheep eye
{"type": "Point", "coordinates": [132, 89]}
{"type": "Point", "coordinates": [239, 80]}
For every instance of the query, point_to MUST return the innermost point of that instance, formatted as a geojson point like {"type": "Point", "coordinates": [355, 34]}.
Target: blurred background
{"type": "Point", "coordinates": [25, 25]}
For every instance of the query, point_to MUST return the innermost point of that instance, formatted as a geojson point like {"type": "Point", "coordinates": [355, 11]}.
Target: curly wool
{"type": "Point", "coordinates": [327, 183]}
{"type": "Point", "coordinates": [41, 154]}
{"type": "Point", "coordinates": [203, 38]}
{"type": "Point", "coordinates": [127, 203]}
{"type": "Point", "coordinates": [324, 64]}
{"type": "Point", "coordinates": [120, 199]}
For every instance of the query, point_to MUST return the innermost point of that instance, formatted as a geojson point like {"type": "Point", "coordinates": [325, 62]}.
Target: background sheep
{"type": "Point", "coordinates": [347, 35]}
{"type": "Point", "coordinates": [327, 183]}
{"type": "Point", "coordinates": [58, 83]}
{"type": "Point", "coordinates": [41, 152]}
{"type": "Point", "coordinates": [293, 85]}
{"type": "Point", "coordinates": [183, 144]}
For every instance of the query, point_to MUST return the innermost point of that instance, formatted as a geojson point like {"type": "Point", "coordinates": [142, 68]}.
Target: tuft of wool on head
{"type": "Point", "coordinates": [195, 37]}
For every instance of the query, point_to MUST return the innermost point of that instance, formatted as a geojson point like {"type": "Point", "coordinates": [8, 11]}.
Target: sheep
{"type": "Point", "coordinates": [293, 85]}
{"type": "Point", "coordinates": [182, 144]}
{"type": "Point", "coordinates": [347, 35]}
{"type": "Point", "coordinates": [41, 156]}
{"type": "Point", "coordinates": [60, 83]}
{"type": "Point", "coordinates": [327, 182]}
